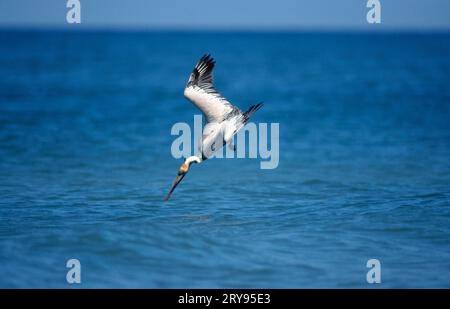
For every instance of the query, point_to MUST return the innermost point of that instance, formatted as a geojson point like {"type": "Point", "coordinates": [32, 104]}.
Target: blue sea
{"type": "Point", "coordinates": [364, 167]}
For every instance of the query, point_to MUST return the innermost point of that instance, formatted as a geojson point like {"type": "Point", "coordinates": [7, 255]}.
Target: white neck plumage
{"type": "Point", "coordinates": [192, 159]}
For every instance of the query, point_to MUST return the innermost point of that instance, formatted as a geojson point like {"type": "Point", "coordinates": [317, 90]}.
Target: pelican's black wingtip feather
{"type": "Point", "coordinates": [202, 74]}
{"type": "Point", "coordinates": [253, 109]}
{"type": "Point", "coordinates": [205, 63]}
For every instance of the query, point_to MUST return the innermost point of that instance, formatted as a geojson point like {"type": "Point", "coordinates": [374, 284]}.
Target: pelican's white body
{"type": "Point", "coordinates": [218, 134]}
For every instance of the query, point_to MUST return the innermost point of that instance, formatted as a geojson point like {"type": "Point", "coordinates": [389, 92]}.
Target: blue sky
{"type": "Point", "coordinates": [228, 14]}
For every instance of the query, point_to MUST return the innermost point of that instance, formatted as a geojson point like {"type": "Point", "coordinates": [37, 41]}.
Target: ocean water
{"type": "Point", "coordinates": [364, 170]}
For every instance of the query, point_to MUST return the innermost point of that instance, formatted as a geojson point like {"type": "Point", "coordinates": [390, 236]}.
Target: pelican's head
{"type": "Point", "coordinates": [182, 171]}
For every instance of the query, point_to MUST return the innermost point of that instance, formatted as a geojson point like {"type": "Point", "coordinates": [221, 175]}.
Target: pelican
{"type": "Point", "coordinates": [223, 120]}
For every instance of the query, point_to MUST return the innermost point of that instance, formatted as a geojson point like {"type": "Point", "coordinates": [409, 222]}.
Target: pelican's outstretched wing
{"type": "Point", "coordinates": [200, 91]}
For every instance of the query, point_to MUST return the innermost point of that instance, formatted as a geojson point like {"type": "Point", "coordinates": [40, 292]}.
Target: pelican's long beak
{"type": "Point", "coordinates": [175, 184]}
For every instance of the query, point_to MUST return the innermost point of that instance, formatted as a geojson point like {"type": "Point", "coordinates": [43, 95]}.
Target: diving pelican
{"type": "Point", "coordinates": [223, 120]}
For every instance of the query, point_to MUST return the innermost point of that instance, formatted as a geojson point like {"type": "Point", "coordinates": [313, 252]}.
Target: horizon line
{"type": "Point", "coordinates": [200, 29]}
